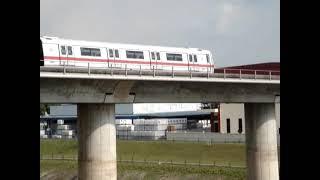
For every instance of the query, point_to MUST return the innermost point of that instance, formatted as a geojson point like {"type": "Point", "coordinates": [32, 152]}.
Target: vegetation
{"type": "Point", "coordinates": [154, 151]}
{"type": "Point", "coordinates": [153, 171]}
{"type": "Point", "coordinates": [43, 109]}
{"type": "Point", "coordinates": [159, 150]}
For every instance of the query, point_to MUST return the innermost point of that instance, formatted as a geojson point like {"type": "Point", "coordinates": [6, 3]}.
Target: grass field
{"type": "Point", "coordinates": [156, 150]}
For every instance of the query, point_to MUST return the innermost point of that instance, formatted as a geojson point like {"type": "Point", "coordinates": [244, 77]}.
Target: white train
{"type": "Point", "coordinates": [57, 52]}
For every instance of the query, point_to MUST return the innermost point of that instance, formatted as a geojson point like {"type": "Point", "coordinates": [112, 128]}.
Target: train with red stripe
{"type": "Point", "coordinates": [56, 51]}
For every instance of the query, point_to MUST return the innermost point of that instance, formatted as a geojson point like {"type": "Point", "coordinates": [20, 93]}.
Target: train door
{"type": "Point", "coordinates": [114, 58]}
{"type": "Point", "coordinates": [63, 54]}
{"type": "Point", "coordinates": [110, 57]}
{"type": "Point", "coordinates": [153, 60]}
{"type": "Point", "coordinates": [70, 56]}
{"type": "Point", "coordinates": [158, 60]}
{"type": "Point", "coordinates": [208, 62]}
{"type": "Point", "coordinates": [66, 55]}
{"type": "Point", "coordinates": [195, 63]}
{"type": "Point", "coordinates": [190, 62]}
{"type": "Point", "coordinates": [41, 54]}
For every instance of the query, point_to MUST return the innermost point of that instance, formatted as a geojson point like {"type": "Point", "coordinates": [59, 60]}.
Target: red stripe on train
{"type": "Point", "coordinates": [123, 61]}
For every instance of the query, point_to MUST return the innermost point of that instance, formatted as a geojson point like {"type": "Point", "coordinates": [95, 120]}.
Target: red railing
{"type": "Point", "coordinates": [247, 71]}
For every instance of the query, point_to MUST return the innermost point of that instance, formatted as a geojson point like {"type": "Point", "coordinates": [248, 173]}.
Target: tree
{"type": "Point", "coordinates": [43, 109]}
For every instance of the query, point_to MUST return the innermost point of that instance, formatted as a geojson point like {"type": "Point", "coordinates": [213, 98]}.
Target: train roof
{"type": "Point", "coordinates": [57, 40]}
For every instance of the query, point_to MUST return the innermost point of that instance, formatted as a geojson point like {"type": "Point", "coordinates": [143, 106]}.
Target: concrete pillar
{"type": "Point", "coordinates": [277, 109]}
{"type": "Point", "coordinates": [97, 142]}
{"type": "Point", "coordinates": [261, 140]}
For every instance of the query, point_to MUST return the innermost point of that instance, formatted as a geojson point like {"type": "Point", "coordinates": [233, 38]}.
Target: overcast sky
{"type": "Point", "coordinates": [236, 31]}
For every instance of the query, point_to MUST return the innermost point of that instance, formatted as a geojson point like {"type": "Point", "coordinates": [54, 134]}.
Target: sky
{"type": "Point", "coordinates": [237, 32]}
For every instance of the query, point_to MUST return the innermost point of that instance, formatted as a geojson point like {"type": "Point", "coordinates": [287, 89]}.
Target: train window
{"type": "Point", "coordinates": [116, 53]}
{"type": "Point", "coordinates": [174, 57]}
{"type": "Point", "coordinates": [195, 58]}
{"type": "Point", "coordinates": [190, 57]}
{"type": "Point", "coordinates": [95, 52]}
{"type": "Point", "coordinates": [158, 56]}
{"type": "Point", "coordinates": [152, 56]}
{"type": "Point", "coordinates": [208, 60]}
{"type": "Point", "coordinates": [90, 52]}
{"type": "Point", "coordinates": [63, 50]}
{"type": "Point", "coordinates": [135, 54]}
{"type": "Point", "coordinates": [110, 53]}
{"type": "Point", "coordinates": [69, 50]}
{"type": "Point", "coordinates": [85, 52]}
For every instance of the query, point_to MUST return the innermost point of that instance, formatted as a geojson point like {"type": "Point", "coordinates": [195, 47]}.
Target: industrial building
{"type": "Point", "coordinates": [223, 118]}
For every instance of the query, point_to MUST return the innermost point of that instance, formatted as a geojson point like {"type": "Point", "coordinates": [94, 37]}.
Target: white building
{"type": "Point", "coordinates": [142, 108]}
{"type": "Point", "coordinates": [232, 117]}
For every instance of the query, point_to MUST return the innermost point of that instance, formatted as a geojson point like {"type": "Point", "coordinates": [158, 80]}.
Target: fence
{"type": "Point", "coordinates": [164, 135]}
{"type": "Point", "coordinates": [184, 163]}
{"type": "Point", "coordinates": [208, 137]}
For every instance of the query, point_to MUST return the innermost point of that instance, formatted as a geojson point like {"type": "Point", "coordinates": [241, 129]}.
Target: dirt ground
{"type": "Point", "coordinates": [60, 175]}
{"type": "Point", "coordinates": [133, 175]}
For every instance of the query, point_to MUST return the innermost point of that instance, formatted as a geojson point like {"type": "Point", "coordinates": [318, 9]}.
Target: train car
{"type": "Point", "coordinates": [56, 51]}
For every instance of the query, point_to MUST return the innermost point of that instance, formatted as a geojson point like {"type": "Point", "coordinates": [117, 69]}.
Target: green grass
{"type": "Point", "coordinates": [179, 152]}
{"type": "Point", "coordinates": [181, 171]}
{"type": "Point", "coordinates": [58, 146]}
{"type": "Point", "coordinates": [154, 151]}
{"type": "Point", "coordinates": [159, 150]}
{"type": "Point", "coordinates": [57, 165]}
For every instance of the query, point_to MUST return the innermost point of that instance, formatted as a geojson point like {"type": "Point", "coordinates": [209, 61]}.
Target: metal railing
{"type": "Point", "coordinates": [267, 74]}
{"type": "Point", "coordinates": [225, 73]}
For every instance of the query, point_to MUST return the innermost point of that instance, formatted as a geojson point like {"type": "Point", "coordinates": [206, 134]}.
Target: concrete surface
{"type": "Point", "coordinates": [97, 142]}
{"type": "Point", "coordinates": [59, 90]}
{"type": "Point", "coordinates": [261, 141]}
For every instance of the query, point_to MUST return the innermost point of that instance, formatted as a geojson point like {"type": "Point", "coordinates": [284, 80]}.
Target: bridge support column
{"type": "Point", "coordinates": [261, 140]}
{"type": "Point", "coordinates": [97, 142]}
